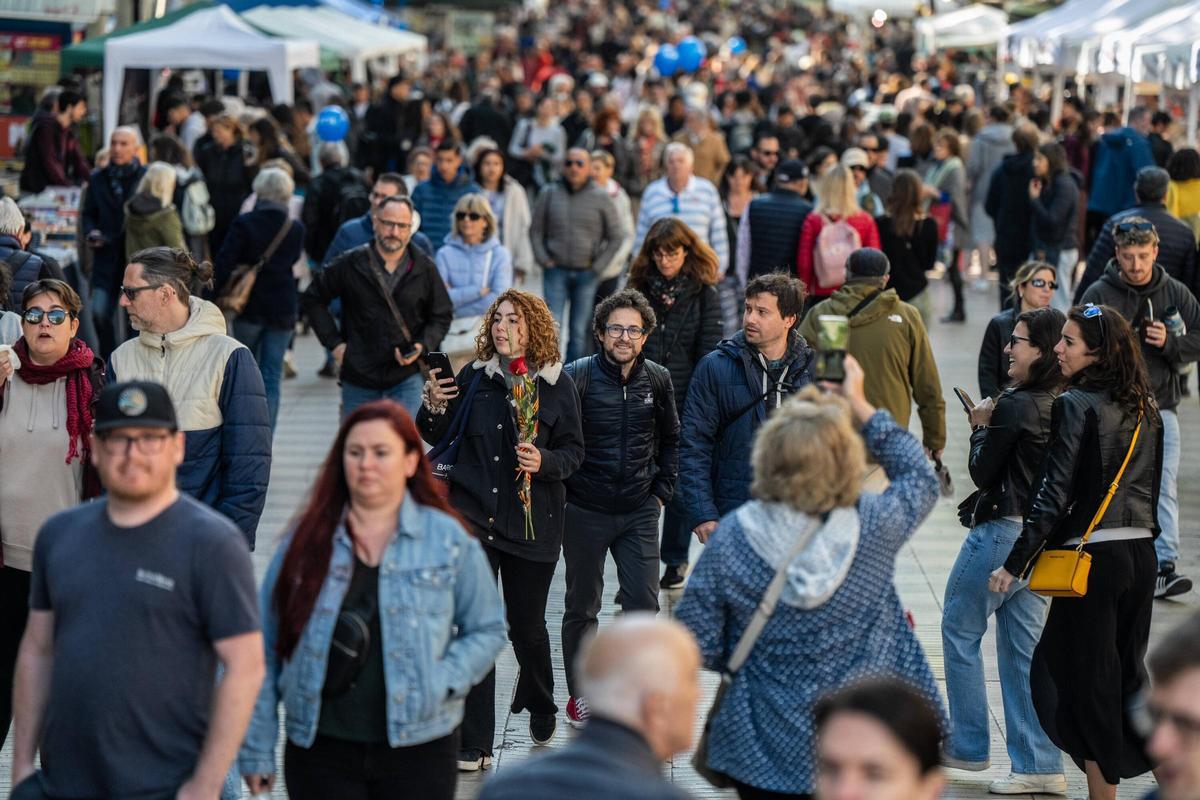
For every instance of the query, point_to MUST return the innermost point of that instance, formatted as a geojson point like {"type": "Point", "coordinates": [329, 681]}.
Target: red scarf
{"type": "Point", "coordinates": [74, 366]}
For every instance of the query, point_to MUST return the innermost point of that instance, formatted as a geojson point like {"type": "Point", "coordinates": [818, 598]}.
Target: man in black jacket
{"type": "Point", "coordinates": [328, 199]}
{"type": "Point", "coordinates": [1176, 242]}
{"type": "Point", "coordinates": [1138, 287]}
{"type": "Point", "coordinates": [770, 230]}
{"type": "Point", "coordinates": [377, 352]}
{"type": "Point", "coordinates": [631, 461]}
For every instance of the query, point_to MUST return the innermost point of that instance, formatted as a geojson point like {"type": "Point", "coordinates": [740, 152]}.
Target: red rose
{"type": "Point", "coordinates": [518, 366]}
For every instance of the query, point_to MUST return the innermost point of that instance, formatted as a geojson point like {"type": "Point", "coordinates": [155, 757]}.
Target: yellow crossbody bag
{"type": "Point", "coordinates": [1064, 572]}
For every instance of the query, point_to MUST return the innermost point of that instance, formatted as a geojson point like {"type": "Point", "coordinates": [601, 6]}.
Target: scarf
{"type": "Point", "coordinates": [666, 292]}
{"type": "Point", "coordinates": [74, 366]}
{"type": "Point", "coordinates": [119, 178]}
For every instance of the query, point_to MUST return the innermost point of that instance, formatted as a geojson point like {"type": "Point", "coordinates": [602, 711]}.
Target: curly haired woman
{"type": "Point", "coordinates": [517, 344]}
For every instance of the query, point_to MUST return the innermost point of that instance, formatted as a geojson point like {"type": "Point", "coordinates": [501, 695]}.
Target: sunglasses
{"type": "Point", "coordinates": [1042, 283]}
{"type": "Point", "coordinates": [1093, 311]}
{"type": "Point", "coordinates": [471, 215]}
{"type": "Point", "coordinates": [1130, 227]}
{"type": "Point", "coordinates": [131, 293]}
{"type": "Point", "coordinates": [57, 316]}
{"type": "Point", "coordinates": [1013, 339]}
{"type": "Point", "coordinates": [573, 162]}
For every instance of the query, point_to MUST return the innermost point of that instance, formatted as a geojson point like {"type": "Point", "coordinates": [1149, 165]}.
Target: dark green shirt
{"type": "Point", "coordinates": [360, 713]}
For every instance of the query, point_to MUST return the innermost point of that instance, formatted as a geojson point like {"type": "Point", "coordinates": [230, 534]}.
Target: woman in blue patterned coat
{"type": "Point", "coordinates": [839, 617]}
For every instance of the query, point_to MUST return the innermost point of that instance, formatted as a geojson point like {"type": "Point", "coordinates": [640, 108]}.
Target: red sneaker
{"type": "Point", "coordinates": [577, 712]}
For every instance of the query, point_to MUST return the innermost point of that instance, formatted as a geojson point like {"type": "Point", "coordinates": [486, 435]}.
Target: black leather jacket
{"type": "Point", "coordinates": [1006, 456]}
{"type": "Point", "coordinates": [1089, 437]}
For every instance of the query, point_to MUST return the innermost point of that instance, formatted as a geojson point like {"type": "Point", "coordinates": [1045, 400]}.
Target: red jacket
{"type": "Point", "coordinates": [868, 234]}
{"type": "Point", "coordinates": [52, 156]}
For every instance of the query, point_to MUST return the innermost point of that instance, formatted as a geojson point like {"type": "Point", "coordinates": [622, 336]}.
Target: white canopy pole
{"type": "Point", "coordinates": [1060, 87]}
{"type": "Point", "coordinates": [1193, 110]}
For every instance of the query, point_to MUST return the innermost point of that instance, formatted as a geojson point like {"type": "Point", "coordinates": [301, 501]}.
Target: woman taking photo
{"type": "Point", "coordinates": [516, 353]}
{"type": "Point", "coordinates": [909, 239]}
{"type": "Point", "coordinates": [677, 273]}
{"type": "Point", "coordinates": [265, 324]}
{"type": "Point", "coordinates": [226, 173]}
{"type": "Point", "coordinates": [1054, 201]}
{"type": "Point", "coordinates": [836, 201]}
{"type": "Point", "coordinates": [379, 614]}
{"type": "Point", "coordinates": [510, 204]}
{"type": "Point", "coordinates": [1087, 669]}
{"type": "Point", "coordinates": [1033, 287]}
{"type": "Point", "coordinates": [1008, 443]}
{"type": "Point", "coordinates": [839, 615]}
{"type": "Point", "coordinates": [151, 218]}
{"type": "Point", "coordinates": [45, 464]}
{"type": "Point", "coordinates": [540, 143]}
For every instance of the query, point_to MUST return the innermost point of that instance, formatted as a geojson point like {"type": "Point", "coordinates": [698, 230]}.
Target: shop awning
{"type": "Point", "coordinates": [358, 9]}
{"type": "Point", "coordinates": [89, 54]}
{"type": "Point", "coordinates": [973, 26]}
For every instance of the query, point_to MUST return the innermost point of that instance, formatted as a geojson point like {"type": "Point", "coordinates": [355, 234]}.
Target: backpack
{"type": "Point", "coordinates": [353, 201]}
{"type": "Point", "coordinates": [835, 243]}
{"type": "Point", "coordinates": [197, 214]}
{"type": "Point", "coordinates": [660, 381]}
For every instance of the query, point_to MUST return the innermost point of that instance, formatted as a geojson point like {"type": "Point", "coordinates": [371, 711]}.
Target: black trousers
{"type": "Point", "coordinates": [335, 768]}
{"type": "Point", "coordinates": [633, 540]}
{"type": "Point", "coordinates": [526, 586]}
{"type": "Point", "coordinates": [14, 610]}
{"type": "Point", "coordinates": [754, 793]}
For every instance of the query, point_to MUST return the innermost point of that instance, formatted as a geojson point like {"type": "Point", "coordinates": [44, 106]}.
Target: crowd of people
{"type": "Point", "coordinates": [578, 308]}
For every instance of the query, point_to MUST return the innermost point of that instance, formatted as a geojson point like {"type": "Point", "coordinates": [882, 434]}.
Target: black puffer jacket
{"type": "Point", "coordinates": [482, 485]}
{"type": "Point", "coordinates": [631, 437]}
{"type": "Point", "coordinates": [1089, 437]}
{"type": "Point", "coordinates": [993, 363]}
{"type": "Point", "coordinates": [685, 332]}
{"type": "Point", "coordinates": [1006, 456]}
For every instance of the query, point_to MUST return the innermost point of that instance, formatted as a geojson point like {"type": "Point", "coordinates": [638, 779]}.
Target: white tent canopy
{"type": "Point", "coordinates": [1112, 50]}
{"type": "Point", "coordinates": [213, 38]}
{"type": "Point", "coordinates": [356, 41]}
{"type": "Point", "coordinates": [972, 26]}
{"type": "Point", "coordinates": [1048, 39]}
{"type": "Point", "coordinates": [1169, 54]}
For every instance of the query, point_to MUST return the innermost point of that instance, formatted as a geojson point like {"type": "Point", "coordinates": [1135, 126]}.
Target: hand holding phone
{"type": "Point", "coordinates": [965, 399]}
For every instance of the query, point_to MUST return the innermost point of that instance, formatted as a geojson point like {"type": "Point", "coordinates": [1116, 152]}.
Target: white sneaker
{"type": "Point", "coordinates": [1044, 783]}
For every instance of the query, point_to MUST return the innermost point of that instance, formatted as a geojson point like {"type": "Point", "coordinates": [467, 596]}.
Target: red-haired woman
{"type": "Point", "coordinates": [517, 346]}
{"type": "Point", "coordinates": [379, 615]}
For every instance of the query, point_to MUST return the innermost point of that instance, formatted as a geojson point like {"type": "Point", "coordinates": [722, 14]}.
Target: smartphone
{"type": "Point", "coordinates": [965, 399]}
{"type": "Point", "coordinates": [441, 362]}
{"type": "Point", "coordinates": [833, 336]}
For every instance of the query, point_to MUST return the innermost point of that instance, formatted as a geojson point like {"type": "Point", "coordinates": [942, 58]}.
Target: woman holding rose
{"type": "Point", "coordinates": [516, 384]}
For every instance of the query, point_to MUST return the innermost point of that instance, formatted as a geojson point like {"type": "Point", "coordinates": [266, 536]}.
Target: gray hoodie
{"type": "Point", "coordinates": [987, 149]}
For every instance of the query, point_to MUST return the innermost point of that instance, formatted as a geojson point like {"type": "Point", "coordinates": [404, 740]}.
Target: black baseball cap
{"type": "Point", "coordinates": [791, 170]}
{"type": "Point", "coordinates": [135, 404]}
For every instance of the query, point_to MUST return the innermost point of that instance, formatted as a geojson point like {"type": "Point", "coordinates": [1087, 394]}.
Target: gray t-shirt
{"type": "Point", "coordinates": [136, 612]}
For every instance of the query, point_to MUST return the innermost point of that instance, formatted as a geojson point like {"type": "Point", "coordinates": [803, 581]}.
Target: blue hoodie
{"type": "Point", "coordinates": [1119, 156]}
{"type": "Point", "coordinates": [467, 268]}
{"type": "Point", "coordinates": [435, 200]}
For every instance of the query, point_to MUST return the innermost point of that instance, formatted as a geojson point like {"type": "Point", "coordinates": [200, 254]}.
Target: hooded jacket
{"type": "Point", "coordinates": [435, 199]}
{"type": "Point", "coordinates": [889, 340]}
{"type": "Point", "coordinates": [467, 269]}
{"type": "Point", "coordinates": [988, 149]}
{"type": "Point", "coordinates": [1009, 207]}
{"type": "Point", "coordinates": [1137, 304]}
{"type": "Point", "coordinates": [839, 615]}
{"type": "Point", "coordinates": [1176, 247]}
{"type": "Point", "coordinates": [729, 397]}
{"type": "Point", "coordinates": [1118, 156]}
{"type": "Point", "coordinates": [148, 223]}
{"type": "Point", "coordinates": [221, 407]}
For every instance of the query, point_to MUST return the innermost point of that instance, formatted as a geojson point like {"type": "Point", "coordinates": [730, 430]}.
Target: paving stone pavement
{"type": "Point", "coordinates": [308, 422]}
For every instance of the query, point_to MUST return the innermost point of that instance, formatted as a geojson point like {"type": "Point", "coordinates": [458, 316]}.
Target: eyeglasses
{"type": "Point", "coordinates": [148, 444]}
{"type": "Point", "coordinates": [57, 316]}
{"type": "Point", "coordinates": [131, 292]}
{"type": "Point", "coordinates": [575, 162]}
{"type": "Point", "coordinates": [1042, 283]}
{"type": "Point", "coordinates": [858, 168]}
{"type": "Point", "coordinates": [1130, 227]}
{"type": "Point", "coordinates": [1093, 311]}
{"type": "Point", "coordinates": [634, 333]}
{"type": "Point", "coordinates": [1013, 339]}
{"type": "Point", "coordinates": [662, 254]}
{"type": "Point", "coordinates": [387, 225]}
{"type": "Point", "coordinates": [471, 215]}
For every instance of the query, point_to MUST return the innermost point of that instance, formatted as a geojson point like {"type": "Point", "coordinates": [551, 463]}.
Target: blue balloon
{"type": "Point", "coordinates": [666, 60]}
{"type": "Point", "coordinates": [333, 123]}
{"type": "Point", "coordinates": [736, 45]}
{"type": "Point", "coordinates": [691, 53]}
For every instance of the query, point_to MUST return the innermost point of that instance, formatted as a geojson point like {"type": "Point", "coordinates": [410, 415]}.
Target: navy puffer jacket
{"type": "Point", "coordinates": [714, 460]}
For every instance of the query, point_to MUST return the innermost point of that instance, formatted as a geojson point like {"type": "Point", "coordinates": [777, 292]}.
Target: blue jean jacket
{"type": "Point", "coordinates": [442, 625]}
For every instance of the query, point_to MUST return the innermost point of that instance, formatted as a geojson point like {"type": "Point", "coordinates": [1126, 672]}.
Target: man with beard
{"type": "Point", "coordinates": [380, 340]}
{"type": "Point", "coordinates": [614, 499]}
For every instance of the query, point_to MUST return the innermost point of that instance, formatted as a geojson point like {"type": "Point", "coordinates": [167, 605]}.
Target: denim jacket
{"type": "Point", "coordinates": [442, 625]}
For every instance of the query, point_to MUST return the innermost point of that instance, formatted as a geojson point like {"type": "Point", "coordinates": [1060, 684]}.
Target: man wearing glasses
{"type": "Point", "coordinates": [394, 309]}
{"type": "Point", "coordinates": [1135, 284]}
{"type": "Point", "coordinates": [1173, 718]}
{"type": "Point", "coordinates": [614, 499]}
{"type": "Point", "coordinates": [135, 600]}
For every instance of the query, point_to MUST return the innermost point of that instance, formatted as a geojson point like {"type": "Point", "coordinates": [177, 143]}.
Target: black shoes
{"type": "Point", "coordinates": [674, 577]}
{"type": "Point", "coordinates": [1170, 583]}
{"type": "Point", "coordinates": [541, 727]}
{"type": "Point", "coordinates": [955, 317]}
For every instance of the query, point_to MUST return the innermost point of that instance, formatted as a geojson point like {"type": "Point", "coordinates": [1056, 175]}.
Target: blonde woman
{"type": "Point", "coordinates": [649, 140]}
{"type": "Point", "coordinates": [837, 202]}
{"type": "Point", "coordinates": [151, 219]}
{"type": "Point", "coordinates": [475, 267]}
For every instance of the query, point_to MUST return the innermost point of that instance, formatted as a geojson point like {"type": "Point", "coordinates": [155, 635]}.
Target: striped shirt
{"type": "Point", "coordinates": [698, 206]}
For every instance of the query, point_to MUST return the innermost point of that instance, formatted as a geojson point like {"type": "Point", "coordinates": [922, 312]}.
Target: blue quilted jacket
{"type": "Point", "coordinates": [435, 200]}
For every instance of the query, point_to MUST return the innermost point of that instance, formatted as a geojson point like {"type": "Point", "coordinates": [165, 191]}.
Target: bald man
{"type": "Point", "coordinates": [639, 676]}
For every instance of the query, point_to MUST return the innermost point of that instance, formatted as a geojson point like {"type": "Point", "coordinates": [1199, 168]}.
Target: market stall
{"type": "Point", "coordinates": [976, 26]}
{"type": "Point", "coordinates": [212, 38]}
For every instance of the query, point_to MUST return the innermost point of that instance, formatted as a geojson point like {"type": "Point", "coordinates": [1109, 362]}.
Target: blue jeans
{"type": "Point", "coordinates": [1167, 543]}
{"type": "Point", "coordinates": [579, 287]}
{"type": "Point", "coordinates": [407, 393]}
{"type": "Point", "coordinates": [268, 346]}
{"type": "Point", "coordinates": [1019, 617]}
